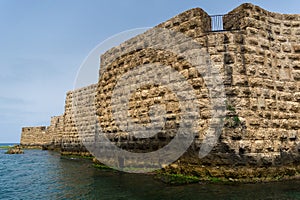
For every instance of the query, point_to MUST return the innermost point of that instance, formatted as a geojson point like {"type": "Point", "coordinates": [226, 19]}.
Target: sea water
{"type": "Point", "coordinates": [41, 174]}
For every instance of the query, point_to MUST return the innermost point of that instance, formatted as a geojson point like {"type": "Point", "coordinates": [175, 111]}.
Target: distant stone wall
{"type": "Point", "coordinates": [56, 130]}
{"type": "Point", "coordinates": [44, 136]}
{"type": "Point", "coordinates": [35, 137]}
{"type": "Point", "coordinates": [75, 120]}
{"type": "Point", "coordinates": [63, 132]}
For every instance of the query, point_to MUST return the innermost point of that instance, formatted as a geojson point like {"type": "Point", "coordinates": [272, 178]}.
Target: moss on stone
{"type": "Point", "coordinates": [177, 179]}
{"type": "Point", "coordinates": [77, 156]}
{"type": "Point", "coordinates": [5, 147]}
{"type": "Point", "coordinates": [103, 167]}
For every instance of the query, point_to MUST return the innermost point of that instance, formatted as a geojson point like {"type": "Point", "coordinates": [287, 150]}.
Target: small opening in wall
{"type": "Point", "coordinates": [217, 23]}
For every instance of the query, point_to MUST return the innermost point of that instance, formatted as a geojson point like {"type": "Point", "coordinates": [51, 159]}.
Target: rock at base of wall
{"type": "Point", "coordinates": [78, 153]}
{"type": "Point", "coordinates": [51, 147]}
{"type": "Point", "coordinates": [31, 146]}
{"type": "Point", "coordinates": [15, 150]}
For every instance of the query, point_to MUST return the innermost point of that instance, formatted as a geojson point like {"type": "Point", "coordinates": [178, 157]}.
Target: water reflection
{"type": "Point", "coordinates": [45, 175]}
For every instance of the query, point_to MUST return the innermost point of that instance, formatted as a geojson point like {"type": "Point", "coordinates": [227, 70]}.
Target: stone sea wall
{"type": "Point", "coordinates": [257, 57]}
{"type": "Point", "coordinates": [62, 134]}
{"type": "Point", "coordinates": [56, 130]}
{"type": "Point", "coordinates": [265, 81]}
{"type": "Point", "coordinates": [35, 136]}
{"type": "Point", "coordinates": [77, 120]}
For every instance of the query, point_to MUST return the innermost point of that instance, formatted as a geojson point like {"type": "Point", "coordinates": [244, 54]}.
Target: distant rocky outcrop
{"type": "Point", "coordinates": [15, 150]}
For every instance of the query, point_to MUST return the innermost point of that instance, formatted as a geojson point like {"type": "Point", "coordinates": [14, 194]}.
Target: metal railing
{"type": "Point", "coordinates": [217, 23]}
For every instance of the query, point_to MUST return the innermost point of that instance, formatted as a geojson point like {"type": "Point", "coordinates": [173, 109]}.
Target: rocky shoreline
{"type": "Point", "coordinates": [17, 149]}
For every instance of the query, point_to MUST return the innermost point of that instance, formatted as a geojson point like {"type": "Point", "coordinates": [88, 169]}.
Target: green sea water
{"type": "Point", "coordinates": [41, 174]}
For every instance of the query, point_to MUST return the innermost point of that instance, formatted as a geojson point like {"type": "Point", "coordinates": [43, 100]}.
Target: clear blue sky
{"type": "Point", "coordinates": [43, 44]}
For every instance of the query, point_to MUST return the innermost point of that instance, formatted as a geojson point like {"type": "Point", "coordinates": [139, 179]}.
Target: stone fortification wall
{"type": "Point", "coordinates": [146, 49]}
{"type": "Point", "coordinates": [56, 130]}
{"type": "Point", "coordinates": [258, 59]}
{"type": "Point", "coordinates": [77, 125]}
{"type": "Point", "coordinates": [35, 137]}
{"type": "Point", "coordinates": [64, 131]}
{"type": "Point", "coordinates": [265, 80]}
{"type": "Point", "coordinates": [44, 136]}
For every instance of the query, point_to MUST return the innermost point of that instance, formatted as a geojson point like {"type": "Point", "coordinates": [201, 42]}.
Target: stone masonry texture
{"type": "Point", "coordinates": [258, 57]}
{"type": "Point", "coordinates": [35, 136]}
{"type": "Point", "coordinates": [72, 141]}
